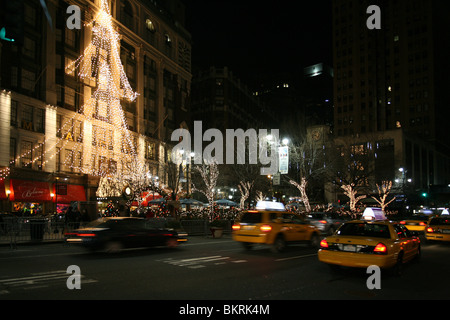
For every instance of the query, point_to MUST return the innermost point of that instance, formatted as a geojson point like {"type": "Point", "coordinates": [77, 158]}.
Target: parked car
{"type": "Point", "coordinates": [113, 234]}
{"type": "Point", "coordinates": [326, 222]}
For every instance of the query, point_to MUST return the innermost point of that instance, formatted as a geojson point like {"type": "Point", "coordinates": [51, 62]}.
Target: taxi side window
{"type": "Point", "coordinates": [408, 233]}
{"type": "Point", "coordinates": [287, 217]}
{"type": "Point", "coordinates": [400, 232]}
{"type": "Point", "coordinates": [292, 218]}
{"type": "Point", "coordinates": [273, 216]}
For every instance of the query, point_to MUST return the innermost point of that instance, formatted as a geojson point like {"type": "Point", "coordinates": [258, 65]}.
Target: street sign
{"type": "Point", "coordinates": [276, 179]}
{"type": "Point", "coordinates": [283, 154]}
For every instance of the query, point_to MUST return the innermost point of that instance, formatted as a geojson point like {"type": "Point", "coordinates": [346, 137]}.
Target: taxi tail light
{"type": "Point", "coordinates": [265, 228]}
{"type": "Point", "coordinates": [323, 221]}
{"type": "Point", "coordinates": [236, 227]}
{"type": "Point", "coordinates": [430, 230]}
{"type": "Point", "coordinates": [402, 222]}
{"type": "Point", "coordinates": [380, 248]}
{"type": "Point", "coordinates": [422, 224]}
{"type": "Point", "coordinates": [324, 244]}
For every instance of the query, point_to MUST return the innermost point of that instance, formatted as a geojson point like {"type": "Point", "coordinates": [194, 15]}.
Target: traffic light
{"type": "Point", "coordinates": [11, 21]}
{"type": "Point", "coordinates": [424, 194]}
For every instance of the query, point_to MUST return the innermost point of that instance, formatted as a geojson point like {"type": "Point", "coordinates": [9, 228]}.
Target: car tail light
{"type": "Point", "coordinates": [236, 227]}
{"type": "Point", "coordinates": [70, 234]}
{"type": "Point", "coordinates": [324, 244]}
{"type": "Point", "coordinates": [265, 228]}
{"type": "Point", "coordinates": [430, 230]}
{"type": "Point", "coordinates": [402, 222]}
{"type": "Point", "coordinates": [86, 234]}
{"type": "Point", "coordinates": [422, 224]}
{"type": "Point", "coordinates": [323, 221]}
{"type": "Point", "coordinates": [380, 248]}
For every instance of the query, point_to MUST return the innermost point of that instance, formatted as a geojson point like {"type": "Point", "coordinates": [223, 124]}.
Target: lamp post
{"type": "Point", "coordinates": [403, 180]}
{"type": "Point", "coordinates": [283, 160]}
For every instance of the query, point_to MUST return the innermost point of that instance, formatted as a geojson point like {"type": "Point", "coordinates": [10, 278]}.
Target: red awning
{"type": "Point", "coordinates": [29, 191]}
{"type": "Point", "coordinates": [3, 195]}
{"type": "Point", "coordinates": [73, 193]}
{"type": "Point", "coordinates": [148, 196]}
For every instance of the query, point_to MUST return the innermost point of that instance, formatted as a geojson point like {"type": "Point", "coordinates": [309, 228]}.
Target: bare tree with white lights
{"type": "Point", "coordinates": [209, 174]}
{"type": "Point", "coordinates": [244, 189]}
{"type": "Point", "coordinates": [383, 193]}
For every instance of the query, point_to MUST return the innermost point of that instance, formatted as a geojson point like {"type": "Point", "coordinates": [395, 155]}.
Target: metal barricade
{"type": "Point", "coordinates": [15, 230]}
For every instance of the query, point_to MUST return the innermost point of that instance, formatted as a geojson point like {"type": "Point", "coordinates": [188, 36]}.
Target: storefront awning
{"type": "Point", "coordinates": [147, 196]}
{"type": "Point", "coordinates": [3, 195]}
{"type": "Point", "coordinates": [29, 191]}
{"type": "Point", "coordinates": [69, 193]}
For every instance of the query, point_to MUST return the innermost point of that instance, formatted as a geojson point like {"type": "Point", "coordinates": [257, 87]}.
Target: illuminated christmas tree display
{"type": "Point", "coordinates": [103, 145]}
{"type": "Point", "coordinates": [101, 64]}
{"type": "Point", "coordinates": [96, 138]}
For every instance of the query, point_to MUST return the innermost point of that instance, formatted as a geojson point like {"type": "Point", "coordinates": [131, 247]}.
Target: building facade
{"type": "Point", "coordinates": [223, 101]}
{"type": "Point", "coordinates": [390, 86]}
{"type": "Point", "coordinates": [51, 143]}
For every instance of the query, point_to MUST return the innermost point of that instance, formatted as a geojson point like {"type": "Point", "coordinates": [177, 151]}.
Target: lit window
{"type": "Point", "coordinates": [168, 39]}
{"type": "Point", "coordinates": [150, 26]}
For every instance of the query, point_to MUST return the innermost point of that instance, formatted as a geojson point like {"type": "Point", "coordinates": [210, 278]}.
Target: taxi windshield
{"type": "Point", "coordinates": [364, 229]}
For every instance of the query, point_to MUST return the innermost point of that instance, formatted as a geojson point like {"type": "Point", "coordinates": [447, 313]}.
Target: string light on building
{"type": "Point", "coordinates": [105, 137]}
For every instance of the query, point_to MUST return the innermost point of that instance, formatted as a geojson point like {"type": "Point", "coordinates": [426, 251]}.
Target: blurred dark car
{"type": "Point", "coordinates": [113, 234]}
{"type": "Point", "coordinates": [326, 222]}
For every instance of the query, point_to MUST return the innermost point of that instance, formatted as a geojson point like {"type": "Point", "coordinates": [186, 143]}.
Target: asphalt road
{"type": "Point", "coordinates": [209, 269]}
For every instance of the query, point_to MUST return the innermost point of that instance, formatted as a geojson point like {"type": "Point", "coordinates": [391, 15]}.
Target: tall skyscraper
{"type": "Point", "coordinates": [390, 84]}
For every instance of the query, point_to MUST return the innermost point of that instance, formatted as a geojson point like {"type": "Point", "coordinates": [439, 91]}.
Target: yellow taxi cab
{"type": "Point", "coordinates": [438, 228]}
{"type": "Point", "coordinates": [416, 223]}
{"type": "Point", "coordinates": [271, 224]}
{"type": "Point", "coordinates": [373, 240]}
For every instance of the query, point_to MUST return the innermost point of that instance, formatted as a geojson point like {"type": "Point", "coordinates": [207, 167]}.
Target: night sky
{"type": "Point", "coordinates": [259, 39]}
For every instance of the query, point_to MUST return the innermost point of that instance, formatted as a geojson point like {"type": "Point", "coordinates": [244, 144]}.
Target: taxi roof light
{"type": "Point", "coordinates": [373, 214]}
{"type": "Point", "coordinates": [270, 205]}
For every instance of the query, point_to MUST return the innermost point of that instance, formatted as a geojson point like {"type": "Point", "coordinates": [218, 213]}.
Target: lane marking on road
{"type": "Point", "coordinates": [209, 242]}
{"type": "Point", "coordinates": [197, 259]}
{"type": "Point", "coordinates": [200, 262]}
{"type": "Point", "coordinates": [39, 280]}
{"type": "Point", "coordinates": [297, 257]}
